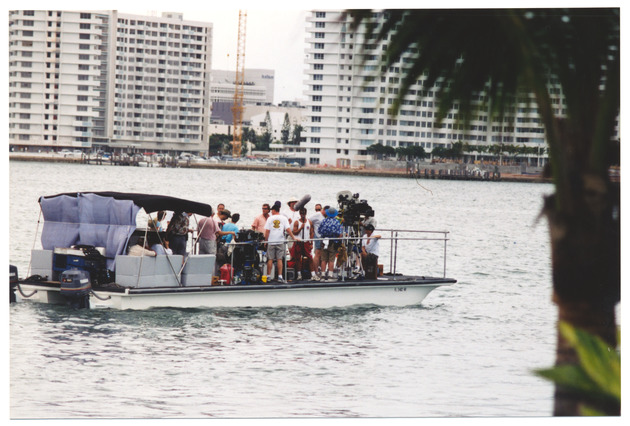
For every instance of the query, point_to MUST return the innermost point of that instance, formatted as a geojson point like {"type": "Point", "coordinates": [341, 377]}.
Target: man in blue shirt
{"type": "Point", "coordinates": [330, 228]}
{"type": "Point", "coordinates": [230, 227]}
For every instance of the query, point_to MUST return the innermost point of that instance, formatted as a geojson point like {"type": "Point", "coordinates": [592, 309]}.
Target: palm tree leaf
{"type": "Point", "coordinates": [600, 362]}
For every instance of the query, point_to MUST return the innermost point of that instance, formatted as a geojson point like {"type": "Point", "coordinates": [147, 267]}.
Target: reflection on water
{"type": "Point", "coordinates": [467, 351]}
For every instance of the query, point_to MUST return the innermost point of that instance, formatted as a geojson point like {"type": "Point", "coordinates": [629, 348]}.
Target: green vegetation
{"type": "Point", "coordinates": [597, 376]}
{"type": "Point", "coordinates": [495, 59]}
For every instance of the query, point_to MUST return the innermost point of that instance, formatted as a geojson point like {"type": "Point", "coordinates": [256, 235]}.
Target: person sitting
{"type": "Point", "coordinates": [141, 249]}
{"type": "Point", "coordinates": [369, 252]}
{"type": "Point", "coordinates": [159, 249]}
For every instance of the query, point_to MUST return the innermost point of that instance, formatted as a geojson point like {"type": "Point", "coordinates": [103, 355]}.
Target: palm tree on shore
{"type": "Point", "coordinates": [506, 53]}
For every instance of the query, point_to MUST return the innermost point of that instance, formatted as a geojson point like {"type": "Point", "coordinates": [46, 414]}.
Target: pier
{"type": "Point", "coordinates": [436, 172]}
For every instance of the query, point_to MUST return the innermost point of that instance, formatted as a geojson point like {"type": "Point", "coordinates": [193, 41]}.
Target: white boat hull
{"type": "Point", "coordinates": [312, 296]}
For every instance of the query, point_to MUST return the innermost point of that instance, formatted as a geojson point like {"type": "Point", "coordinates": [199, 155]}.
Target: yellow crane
{"type": "Point", "coordinates": [237, 108]}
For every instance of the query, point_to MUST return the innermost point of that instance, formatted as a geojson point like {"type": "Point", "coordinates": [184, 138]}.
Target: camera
{"type": "Point", "coordinates": [352, 210]}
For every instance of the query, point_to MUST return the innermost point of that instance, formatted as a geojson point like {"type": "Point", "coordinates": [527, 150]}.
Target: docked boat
{"type": "Point", "coordinates": [84, 262]}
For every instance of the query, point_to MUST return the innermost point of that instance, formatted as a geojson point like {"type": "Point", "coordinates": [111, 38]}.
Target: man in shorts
{"type": "Point", "coordinates": [330, 228]}
{"type": "Point", "coordinates": [275, 228]}
{"type": "Point", "coordinates": [316, 219]}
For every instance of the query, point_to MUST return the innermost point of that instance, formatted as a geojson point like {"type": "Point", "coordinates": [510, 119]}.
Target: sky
{"type": "Point", "coordinates": [275, 39]}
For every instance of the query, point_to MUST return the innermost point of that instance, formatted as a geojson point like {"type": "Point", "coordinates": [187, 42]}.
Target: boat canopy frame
{"type": "Point", "coordinates": [149, 202]}
{"type": "Point", "coordinates": [103, 219]}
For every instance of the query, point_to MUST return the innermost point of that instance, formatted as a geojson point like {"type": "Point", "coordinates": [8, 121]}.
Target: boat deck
{"type": "Point", "coordinates": [385, 280]}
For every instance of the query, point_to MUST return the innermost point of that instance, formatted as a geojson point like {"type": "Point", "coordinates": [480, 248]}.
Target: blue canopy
{"type": "Point", "coordinates": [102, 219]}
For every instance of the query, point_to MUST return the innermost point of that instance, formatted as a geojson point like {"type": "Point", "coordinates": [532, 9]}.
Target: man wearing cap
{"type": "Point", "coordinates": [330, 228]}
{"type": "Point", "coordinates": [369, 251]}
{"type": "Point", "coordinates": [275, 228]}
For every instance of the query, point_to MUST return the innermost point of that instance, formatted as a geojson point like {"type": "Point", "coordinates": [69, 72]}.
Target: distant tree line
{"type": "Point", "coordinates": [456, 151]}
{"type": "Point", "coordinates": [220, 144]}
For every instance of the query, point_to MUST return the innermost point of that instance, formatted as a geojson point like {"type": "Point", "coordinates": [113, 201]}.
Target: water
{"type": "Point", "coordinates": [469, 350]}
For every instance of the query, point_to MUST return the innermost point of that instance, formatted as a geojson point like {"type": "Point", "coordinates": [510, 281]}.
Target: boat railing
{"type": "Point", "coordinates": [395, 236]}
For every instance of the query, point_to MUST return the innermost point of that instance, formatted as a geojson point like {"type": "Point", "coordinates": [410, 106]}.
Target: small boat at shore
{"type": "Point", "coordinates": [84, 262]}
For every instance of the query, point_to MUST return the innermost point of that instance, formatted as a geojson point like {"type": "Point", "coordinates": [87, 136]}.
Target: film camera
{"type": "Point", "coordinates": [352, 210]}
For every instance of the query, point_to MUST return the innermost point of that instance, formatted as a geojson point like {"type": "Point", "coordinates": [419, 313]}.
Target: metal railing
{"type": "Point", "coordinates": [355, 240]}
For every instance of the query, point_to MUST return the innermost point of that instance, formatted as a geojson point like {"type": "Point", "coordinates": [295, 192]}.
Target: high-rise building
{"type": "Point", "coordinates": [258, 88]}
{"type": "Point", "coordinates": [350, 96]}
{"type": "Point", "coordinates": [100, 78]}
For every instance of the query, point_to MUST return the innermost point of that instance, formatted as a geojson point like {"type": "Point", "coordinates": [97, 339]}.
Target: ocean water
{"type": "Point", "coordinates": [468, 350]}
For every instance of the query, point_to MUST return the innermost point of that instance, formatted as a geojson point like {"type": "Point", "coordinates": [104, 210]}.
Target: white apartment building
{"type": "Point", "coordinates": [57, 78]}
{"type": "Point", "coordinates": [88, 79]}
{"type": "Point", "coordinates": [349, 98]}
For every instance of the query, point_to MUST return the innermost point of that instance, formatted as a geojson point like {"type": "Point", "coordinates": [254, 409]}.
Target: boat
{"type": "Point", "coordinates": [83, 262]}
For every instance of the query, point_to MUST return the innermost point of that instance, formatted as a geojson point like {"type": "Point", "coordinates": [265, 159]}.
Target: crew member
{"type": "Point", "coordinates": [261, 219]}
{"type": "Point", "coordinates": [275, 228]}
{"type": "Point", "coordinates": [369, 252]}
{"type": "Point", "coordinates": [330, 228]}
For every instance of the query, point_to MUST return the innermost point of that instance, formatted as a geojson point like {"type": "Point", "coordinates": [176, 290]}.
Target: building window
{"type": "Point", "coordinates": [320, 14]}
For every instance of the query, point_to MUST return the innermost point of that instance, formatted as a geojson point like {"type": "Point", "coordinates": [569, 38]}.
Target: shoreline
{"type": "Point", "coordinates": [444, 174]}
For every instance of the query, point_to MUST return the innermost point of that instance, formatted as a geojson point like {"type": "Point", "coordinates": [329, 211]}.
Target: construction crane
{"type": "Point", "coordinates": [237, 108]}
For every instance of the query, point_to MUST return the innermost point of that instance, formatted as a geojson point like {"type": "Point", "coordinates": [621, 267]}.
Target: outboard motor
{"type": "Point", "coordinates": [76, 287]}
{"type": "Point", "coordinates": [13, 282]}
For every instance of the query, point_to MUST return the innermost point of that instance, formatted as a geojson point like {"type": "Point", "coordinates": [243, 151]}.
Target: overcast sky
{"type": "Point", "coordinates": [275, 28]}
{"type": "Point", "coordinates": [274, 40]}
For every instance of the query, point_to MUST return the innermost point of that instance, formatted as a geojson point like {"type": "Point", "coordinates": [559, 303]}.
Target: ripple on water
{"type": "Point", "coordinates": [491, 328]}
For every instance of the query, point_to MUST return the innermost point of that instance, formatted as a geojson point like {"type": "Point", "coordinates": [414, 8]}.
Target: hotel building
{"type": "Point", "coordinates": [86, 80]}
{"type": "Point", "coordinates": [349, 99]}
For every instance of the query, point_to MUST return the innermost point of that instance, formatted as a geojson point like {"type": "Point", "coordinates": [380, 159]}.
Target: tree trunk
{"type": "Point", "coordinates": [585, 246]}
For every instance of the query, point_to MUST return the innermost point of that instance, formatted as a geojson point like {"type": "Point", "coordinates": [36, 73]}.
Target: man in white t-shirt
{"type": "Point", "coordinates": [369, 252]}
{"type": "Point", "coordinates": [275, 228]}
